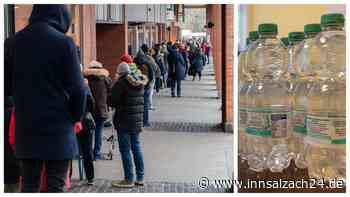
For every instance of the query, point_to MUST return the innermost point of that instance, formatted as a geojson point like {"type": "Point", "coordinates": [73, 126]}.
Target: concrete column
{"type": "Point", "coordinates": [144, 34]}
{"type": "Point", "coordinates": [150, 33]}
{"type": "Point", "coordinates": [137, 42]}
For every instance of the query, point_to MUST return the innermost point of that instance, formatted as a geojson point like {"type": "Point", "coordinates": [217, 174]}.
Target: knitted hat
{"type": "Point", "coordinates": [123, 68]}
{"type": "Point", "coordinates": [126, 58]}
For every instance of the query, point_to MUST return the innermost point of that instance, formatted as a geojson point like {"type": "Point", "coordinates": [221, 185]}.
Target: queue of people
{"type": "Point", "coordinates": [58, 106]}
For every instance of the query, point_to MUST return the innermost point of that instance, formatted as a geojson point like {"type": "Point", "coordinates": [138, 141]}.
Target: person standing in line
{"type": "Point", "coordinates": [177, 69]}
{"type": "Point", "coordinates": [99, 83]}
{"type": "Point", "coordinates": [147, 68]}
{"type": "Point", "coordinates": [198, 62]}
{"type": "Point", "coordinates": [206, 51]}
{"type": "Point", "coordinates": [164, 53]}
{"type": "Point", "coordinates": [127, 97]}
{"type": "Point", "coordinates": [85, 137]}
{"type": "Point", "coordinates": [44, 77]}
{"type": "Point", "coordinates": [160, 64]}
{"type": "Point", "coordinates": [184, 53]}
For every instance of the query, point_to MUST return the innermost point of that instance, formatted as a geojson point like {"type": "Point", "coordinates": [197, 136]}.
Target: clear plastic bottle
{"type": "Point", "coordinates": [268, 108]}
{"type": "Point", "coordinates": [295, 38]}
{"type": "Point", "coordinates": [302, 63]}
{"type": "Point", "coordinates": [326, 113]}
{"type": "Point", "coordinates": [244, 82]}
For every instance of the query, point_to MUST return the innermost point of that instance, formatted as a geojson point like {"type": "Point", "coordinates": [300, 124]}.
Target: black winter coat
{"type": "Point", "coordinates": [177, 65]}
{"type": "Point", "coordinates": [127, 98]}
{"type": "Point", "coordinates": [44, 77]}
{"type": "Point", "coordinates": [99, 83]}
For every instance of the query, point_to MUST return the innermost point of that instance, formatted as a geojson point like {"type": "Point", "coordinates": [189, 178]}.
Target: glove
{"type": "Point", "coordinates": [78, 127]}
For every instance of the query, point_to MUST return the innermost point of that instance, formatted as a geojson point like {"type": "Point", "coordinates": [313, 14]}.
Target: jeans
{"type": "Point", "coordinates": [177, 83]}
{"type": "Point", "coordinates": [85, 142]}
{"type": "Point", "coordinates": [130, 143]}
{"type": "Point", "coordinates": [146, 107]}
{"type": "Point", "coordinates": [151, 93]}
{"type": "Point", "coordinates": [56, 175]}
{"type": "Point", "coordinates": [98, 136]}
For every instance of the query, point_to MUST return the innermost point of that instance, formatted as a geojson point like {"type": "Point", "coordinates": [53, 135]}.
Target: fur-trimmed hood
{"type": "Point", "coordinates": [94, 71]}
{"type": "Point", "coordinates": [136, 80]}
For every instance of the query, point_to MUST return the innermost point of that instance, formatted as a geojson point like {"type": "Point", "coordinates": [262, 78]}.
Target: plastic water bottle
{"type": "Point", "coordinates": [326, 113]}
{"type": "Point", "coordinates": [294, 38]}
{"type": "Point", "coordinates": [244, 82]}
{"type": "Point", "coordinates": [302, 63]}
{"type": "Point", "coordinates": [268, 108]}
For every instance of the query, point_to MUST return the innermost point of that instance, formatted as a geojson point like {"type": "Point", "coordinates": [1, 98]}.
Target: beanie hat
{"type": "Point", "coordinates": [94, 63]}
{"type": "Point", "coordinates": [123, 68]}
{"type": "Point", "coordinates": [134, 69]}
{"type": "Point", "coordinates": [126, 58]}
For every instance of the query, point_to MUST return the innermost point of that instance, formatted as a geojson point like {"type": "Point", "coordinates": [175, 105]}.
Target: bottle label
{"type": "Point", "coordinates": [327, 128]}
{"type": "Point", "coordinates": [267, 123]}
{"type": "Point", "coordinates": [299, 121]}
{"type": "Point", "coordinates": [242, 117]}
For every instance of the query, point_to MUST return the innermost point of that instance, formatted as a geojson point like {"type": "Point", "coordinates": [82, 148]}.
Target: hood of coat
{"type": "Point", "coordinates": [56, 16]}
{"type": "Point", "coordinates": [94, 71]}
{"type": "Point", "coordinates": [136, 80]}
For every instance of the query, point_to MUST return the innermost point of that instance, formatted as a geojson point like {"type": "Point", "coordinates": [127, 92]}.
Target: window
{"type": "Point", "coordinates": [109, 13]}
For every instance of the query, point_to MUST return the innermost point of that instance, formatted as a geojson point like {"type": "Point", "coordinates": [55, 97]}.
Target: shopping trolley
{"type": "Point", "coordinates": [111, 139]}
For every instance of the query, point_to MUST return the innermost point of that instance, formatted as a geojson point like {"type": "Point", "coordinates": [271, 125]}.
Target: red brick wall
{"type": "Point", "coordinates": [229, 55]}
{"type": "Point", "coordinates": [89, 33]}
{"type": "Point", "coordinates": [216, 38]}
{"type": "Point", "coordinates": [111, 43]}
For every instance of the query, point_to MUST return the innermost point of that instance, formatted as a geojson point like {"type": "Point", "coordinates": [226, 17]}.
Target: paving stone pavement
{"type": "Point", "coordinates": [183, 144]}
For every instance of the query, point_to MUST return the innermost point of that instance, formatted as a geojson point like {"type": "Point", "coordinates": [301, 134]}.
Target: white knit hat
{"type": "Point", "coordinates": [94, 63]}
{"type": "Point", "coordinates": [123, 68]}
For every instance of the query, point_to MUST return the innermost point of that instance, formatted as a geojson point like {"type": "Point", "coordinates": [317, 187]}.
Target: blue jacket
{"type": "Point", "coordinates": [43, 75]}
{"type": "Point", "coordinates": [177, 65]}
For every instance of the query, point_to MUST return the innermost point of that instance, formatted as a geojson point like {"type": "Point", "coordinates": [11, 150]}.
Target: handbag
{"type": "Point", "coordinates": [88, 122]}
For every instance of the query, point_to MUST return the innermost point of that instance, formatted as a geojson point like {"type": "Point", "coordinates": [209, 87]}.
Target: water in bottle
{"type": "Point", "coordinates": [325, 119]}
{"type": "Point", "coordinates": [302, 66]}
{"type": "Point", "coordinates": [268, 109]}
{"type": "Point", "coordinates": [244, 82]}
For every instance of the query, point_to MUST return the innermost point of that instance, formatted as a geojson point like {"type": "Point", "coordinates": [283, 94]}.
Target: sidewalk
{"type": "Point", "coordinates": [183, 144]}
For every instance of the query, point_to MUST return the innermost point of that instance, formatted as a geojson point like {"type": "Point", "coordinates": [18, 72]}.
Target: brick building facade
{"type": "Point", "coordinates": [107, 42]}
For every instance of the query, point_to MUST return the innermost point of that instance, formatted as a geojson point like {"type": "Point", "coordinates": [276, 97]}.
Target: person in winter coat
{"type": "Point", "coordinates": [43, 76]}
{"type": "Point", "coordinates": [148, 68]}
{"type": "Point", "coordinates": [184, 53]}
{"type": "Point", "coordinates": [177, 70]}
{"type": "Point", "coordinates": [11, 167]}
{"type": "Point", "coordinates": [160, 64]}
{"type": "Point", "coordinates": [198, 62]}
{"type": "Point", "coordinates": [85, 137]}
{"type": "Point", "coordinates": [99, 83]}
{"type": "Point", "coordinates": [127, 97]}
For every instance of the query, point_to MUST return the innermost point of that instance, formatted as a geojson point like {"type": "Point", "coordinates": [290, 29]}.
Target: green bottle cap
{"type": "Point", "coordinates": [253, 35]}
{"type": "Point", "coordinates": [268, 28]}
{"type": "Point", "coordinates": [285, 41]}
{"type": "Point", "coordinates": [332, 19]}
{"type": "Point", "coordinates": [296, 36]}
{"type": "Point", "coordinates": [312, 28]}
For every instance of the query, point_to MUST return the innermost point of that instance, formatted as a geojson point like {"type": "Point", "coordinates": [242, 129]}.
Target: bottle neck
{"type": "Point", "coordinates": [294, 42]}
{"type": "Point", "coordinates": [311, 34]}
{"type": "Point", "coordinates": [333, 28]}
{"type": "Point", "coordinates": [267, 36]}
